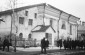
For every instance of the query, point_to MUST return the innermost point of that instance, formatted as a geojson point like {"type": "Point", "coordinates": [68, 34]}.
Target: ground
{"type": "Point", "coordinates": [36, 51]}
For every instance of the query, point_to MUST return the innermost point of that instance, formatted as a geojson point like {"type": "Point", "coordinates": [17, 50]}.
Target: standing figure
{"type": "Point", "coordinates": [44, 45]}
{"type": "Point", "coordinates": [5, 43]}
{"type": "Point", "coordinates": [65, 44]}
{"type": "Point", "coordinates": [47, 43]}
{"type": "Point", "coordinates": [1, 43]}
{"type": "Point", "coordinates": [60, 43]}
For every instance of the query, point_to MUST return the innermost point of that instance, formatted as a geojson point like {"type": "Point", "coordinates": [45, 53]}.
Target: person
{"type": "Point", "coordinates": [65, 44]}
{"type": "Point", "coordinates": [0, 43]}
{"type": "Point", "coordinates": [44, 45]}
{"type": "Point", "coordinates": [60, 43]}
{"type": "Point", "coordinates": [5, 43]}
{"type": "Point", "coordinates": [47, 42]}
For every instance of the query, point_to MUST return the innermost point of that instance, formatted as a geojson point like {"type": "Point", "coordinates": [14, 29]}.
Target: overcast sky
{"type": "Point", "coordinates": [74, 7]}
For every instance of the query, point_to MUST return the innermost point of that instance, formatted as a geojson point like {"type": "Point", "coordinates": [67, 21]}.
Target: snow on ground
{"type": "Point", "coordinates": [35, 48]}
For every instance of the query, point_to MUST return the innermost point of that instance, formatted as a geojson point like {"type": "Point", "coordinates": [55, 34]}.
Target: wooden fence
{"type": "Point", "coordinates": [26, 43]}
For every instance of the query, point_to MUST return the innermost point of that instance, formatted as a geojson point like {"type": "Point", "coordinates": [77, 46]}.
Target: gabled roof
{"type": "Point", "coordinates": [30, 6]}
{"type": "Point", "coordinates": [20, 8]}
{"type": "Point", "coordinates": [41, 28]}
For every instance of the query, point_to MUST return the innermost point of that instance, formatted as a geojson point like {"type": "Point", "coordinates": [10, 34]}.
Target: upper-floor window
{"type": "Point", "coordinates": [70, 29]}
{"type": "Point", "coordinates": [26, 13]}
{"type": "Point", "coordinates": [35, 15]}
{"type": "Point", "coordinates": [30, 22]}
{"type": "Point", "coordinates": [63, 25]}
{"type": "Point", "coordinates": [21, 20]}
{"type": "Point", "coordinates": [51, 22]}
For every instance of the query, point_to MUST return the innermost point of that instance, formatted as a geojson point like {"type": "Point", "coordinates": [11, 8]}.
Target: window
{"type": "Point", "coordinates": [63, 25]}
{"type": "Point", "coordinates": [70, 29]}
{"type": "Point", "coordinates": [46, 35]}
{"type": "Point", "coordinates": [35, 15]}
{"type": "Point", "coordinates": [30, 22]}
{"type": "Point", "coordinates": [30, 37]}
{"type": "Point", "coordinates": [49, 37]}
{"type": "Point", "coordinates": [20, 36]}
{"type": "Point", "coordinates": [51, 22]}
{"type": "Point", "coordinates": [21, 20]}
{"type": "Point", "coordinates": [26, 13]}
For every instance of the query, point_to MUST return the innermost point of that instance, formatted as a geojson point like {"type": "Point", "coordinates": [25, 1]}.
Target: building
{"type": "Point", "coordinates": [38, 21]}
{"type": "Point", "coordinates": [81, 31]}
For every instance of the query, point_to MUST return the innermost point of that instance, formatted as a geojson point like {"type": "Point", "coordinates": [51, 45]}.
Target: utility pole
{"type": "Point", "coordinates": [13, 20]}
{"type": "Point", "coordinates": [14, 24]}
{"type": "Point", "coordinates": [44, 14]}
{"type": "Point", "coordinates": [58, 24]}
{"type": "Point", "coordinates": [78, 22]}
{"type": "Point", "coordinates": [69, 24]}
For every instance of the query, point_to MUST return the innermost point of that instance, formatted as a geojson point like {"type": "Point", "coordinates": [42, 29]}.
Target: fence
{"type": "Point", "coordinates": [26, 43]}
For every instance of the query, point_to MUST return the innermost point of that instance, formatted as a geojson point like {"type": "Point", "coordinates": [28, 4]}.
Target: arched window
{"type": "Point", "coordinates": [20, 36]}
{"type": "Point", "coordinates": [29, 36]}
{"type": "Point", "coordinates": [70, 29]}
{"type": "Point", "coordinates": [63, 25]}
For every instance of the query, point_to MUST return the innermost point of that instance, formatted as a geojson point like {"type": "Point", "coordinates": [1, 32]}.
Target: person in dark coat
{"type": "Point", "coordinates": [60, 43]}
{"type": "Point", "coordinates": [5, 43]}
{"type": "Point", "coordinates": [44, 45]}
{"type": "Point", "coordinates": [65, 44]}
{"type": "Point", "coordinates": [1, 44]}
{"type": "Point", "coordinates": [47, 42]}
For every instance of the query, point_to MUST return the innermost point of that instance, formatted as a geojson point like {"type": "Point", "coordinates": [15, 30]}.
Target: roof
{"type": "Point", "coordinates": [41, 28]}
{"type": "Point", "coordinates": [30, 6]}
{"type": "Point", "coordinates": [20, 8]}
{"type": "Point", "coordinates": [62, 11]}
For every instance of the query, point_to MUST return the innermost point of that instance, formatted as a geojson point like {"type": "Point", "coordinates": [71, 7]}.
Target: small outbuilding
{"type": "Point", "coordinates": [41, 31]}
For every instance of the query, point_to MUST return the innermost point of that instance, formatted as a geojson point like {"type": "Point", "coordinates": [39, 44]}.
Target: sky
{"type": "Point", "coordinates": [74, 7]}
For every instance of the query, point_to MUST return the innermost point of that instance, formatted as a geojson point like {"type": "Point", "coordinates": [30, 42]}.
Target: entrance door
{"type": "Point", "coordinates": [49, 36]}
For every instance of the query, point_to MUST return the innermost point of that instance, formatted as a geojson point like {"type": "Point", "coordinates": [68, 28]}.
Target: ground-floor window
{"type": "Point", "coordinates": [21, 36]}
{"type": "Point", "coordinates": [29, 36]}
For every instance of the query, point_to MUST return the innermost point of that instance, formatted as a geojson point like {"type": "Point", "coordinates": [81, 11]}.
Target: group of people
{"type": "Point", "coordinates": [5, 43]}
{"type": "Point", "coordinates": [68, 44]}
{"type": "Point", "coordinates": [74, 44]}
{"type": "Point", "coordinates": [71, 44]}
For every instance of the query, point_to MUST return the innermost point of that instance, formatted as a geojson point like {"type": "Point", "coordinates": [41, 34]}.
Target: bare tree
{"type": "Point", "coordinates": [12, 5]}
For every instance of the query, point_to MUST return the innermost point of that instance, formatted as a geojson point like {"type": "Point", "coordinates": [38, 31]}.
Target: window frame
{"type": "Point", "coordinates": [26, 13]}
{"type": "Point", "coordinates": [30, 21]}
{"type": "Point", "coordinates": [70, 29]}
{"type": "Point", "coordinates": [35, 15]}
{"type": "Point", "coordinates": [63, 25]}
{"type": "Point", "coordinates": [21, 20]}
{"type": "Point", "coordinates": [51, 22]}
{"type": "Point", "coordinates": [21, 36]}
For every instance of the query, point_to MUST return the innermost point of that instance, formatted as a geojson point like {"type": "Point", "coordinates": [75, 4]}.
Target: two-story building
{"type": "Point", "coordinates": [38, 21]}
